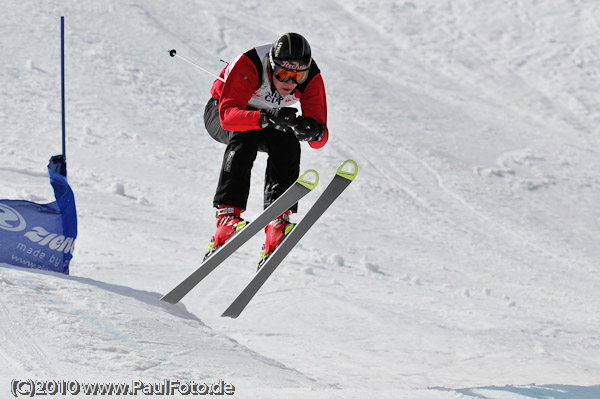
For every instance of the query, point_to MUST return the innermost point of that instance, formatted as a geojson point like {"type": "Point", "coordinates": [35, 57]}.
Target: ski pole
{"type": "Point", "coordinates": [173, 53]}
{"type": "Point", "coordinates": [62, 81]}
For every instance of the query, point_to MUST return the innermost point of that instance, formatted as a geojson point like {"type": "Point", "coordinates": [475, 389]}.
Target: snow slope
{"type": "Point", "coordinates": [461, 263]}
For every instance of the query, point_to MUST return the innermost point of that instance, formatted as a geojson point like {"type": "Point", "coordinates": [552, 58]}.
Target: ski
{"type": "Point", "coordinates": [299, 189]}
{"type": "Point", "coordinates": [339, 183]}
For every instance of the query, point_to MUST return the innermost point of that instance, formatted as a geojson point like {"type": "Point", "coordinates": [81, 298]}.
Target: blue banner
{"type": "Point", "coordinates": [41, 236]}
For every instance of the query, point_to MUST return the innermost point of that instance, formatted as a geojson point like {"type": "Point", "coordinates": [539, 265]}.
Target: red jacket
{"type": "Point", "coordinates": [248, 88]}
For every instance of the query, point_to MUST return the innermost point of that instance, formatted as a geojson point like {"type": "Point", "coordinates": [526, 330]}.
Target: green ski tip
{"type": "Point", "coordinates": [344, 173]}
{"type": "Point", "coordinates": [307, 183]}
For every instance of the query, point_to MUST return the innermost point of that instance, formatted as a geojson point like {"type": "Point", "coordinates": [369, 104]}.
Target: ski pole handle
{"type": "Point", "coordinates": [173, 53]}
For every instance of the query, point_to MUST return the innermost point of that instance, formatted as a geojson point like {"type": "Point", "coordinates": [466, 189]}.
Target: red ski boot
{"type": "Point", "coordinates": [275, 231]}
{"type": "Point", "coordinates": [229, 222]}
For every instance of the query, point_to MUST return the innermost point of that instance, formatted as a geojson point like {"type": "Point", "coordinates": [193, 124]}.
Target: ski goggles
{"type": "Point", "coordinates": [284, 75]}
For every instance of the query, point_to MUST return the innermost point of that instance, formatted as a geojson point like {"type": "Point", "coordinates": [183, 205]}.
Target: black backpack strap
{"type": "Point", "coordinates": [253, 55]}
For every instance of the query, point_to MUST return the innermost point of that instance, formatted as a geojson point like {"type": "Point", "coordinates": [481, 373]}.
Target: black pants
{"type": "Point", "coordinates": [283, 163]}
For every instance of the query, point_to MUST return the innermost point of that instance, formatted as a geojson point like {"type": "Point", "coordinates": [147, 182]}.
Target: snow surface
{"type": "Point", "coordinates": [461, 263]}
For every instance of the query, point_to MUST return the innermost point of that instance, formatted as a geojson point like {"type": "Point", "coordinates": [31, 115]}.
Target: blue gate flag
{"type": "Point", "coordinates": [41, 236]}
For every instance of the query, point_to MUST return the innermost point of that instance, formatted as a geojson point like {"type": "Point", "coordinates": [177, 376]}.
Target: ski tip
{"type": "Point", "coordinates": [350, 175]}
{"type": "Point", "coordinates": [307, 183]}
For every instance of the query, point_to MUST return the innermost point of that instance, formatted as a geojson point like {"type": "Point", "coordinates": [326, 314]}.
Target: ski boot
{"type": "Point", "coordinates": [276, 231]}
{"type": "Point", "coordinates": [229, 222]}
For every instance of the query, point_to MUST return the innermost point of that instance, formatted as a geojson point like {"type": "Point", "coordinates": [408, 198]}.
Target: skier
{"type": "Point", "coordinates": [251, 111]}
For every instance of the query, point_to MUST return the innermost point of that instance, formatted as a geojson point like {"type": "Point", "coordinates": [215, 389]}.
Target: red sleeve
{"type": "Point", "coordinates": [234, 94]}
{"type": "Point", "coordinates": [314, 105]}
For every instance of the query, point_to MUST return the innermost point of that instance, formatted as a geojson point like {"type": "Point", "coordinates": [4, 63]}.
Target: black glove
{"type": "Point", "coordinates": [308, 129]}
{"type": "Point", "coordinates": [279, 118]}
